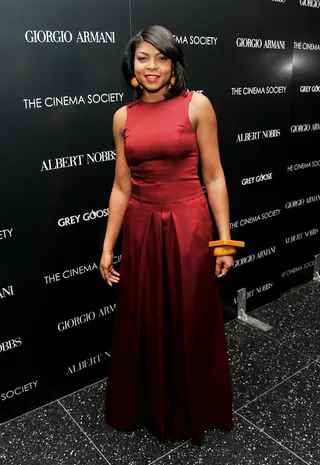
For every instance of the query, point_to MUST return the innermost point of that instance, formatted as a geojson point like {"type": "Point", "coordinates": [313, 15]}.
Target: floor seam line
{"type": "Point", "coordinates": [271, 389]}
{"type": "Point", "coordinates": [28, 413]}
{"type": "Point", "coordinates": [170, 451]}
{"type": "Point", "coordinates": [83, 432]}
{"type": "Point", "coordinates": [264, 333]}
{"type": "Point", "coordinates": [52, 402]}
{"type": "Point", "coordinates": [273, 439]}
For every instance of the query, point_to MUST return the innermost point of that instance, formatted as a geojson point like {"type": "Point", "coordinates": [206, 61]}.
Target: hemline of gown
{"type": "Point", "coordinates": [197, 441]}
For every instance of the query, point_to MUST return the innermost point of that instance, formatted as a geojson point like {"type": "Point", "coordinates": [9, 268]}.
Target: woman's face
{"type": "Point", "coordinates": [151, 68]}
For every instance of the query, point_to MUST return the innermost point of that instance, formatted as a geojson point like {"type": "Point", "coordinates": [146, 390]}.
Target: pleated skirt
{"type": "Point", "coordinates": [169, 368]}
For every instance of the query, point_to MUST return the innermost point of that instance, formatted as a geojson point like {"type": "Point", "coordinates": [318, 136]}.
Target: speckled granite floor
{"type": "Point", "coordinates": [276, 390]}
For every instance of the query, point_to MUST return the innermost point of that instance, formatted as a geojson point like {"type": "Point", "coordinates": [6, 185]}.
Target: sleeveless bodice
{"type": "Point", "coordinates": [160, 143]}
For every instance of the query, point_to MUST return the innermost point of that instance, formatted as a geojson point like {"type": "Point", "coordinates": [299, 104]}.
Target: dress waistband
{"type": "Point", "coordinates": [167, 192]}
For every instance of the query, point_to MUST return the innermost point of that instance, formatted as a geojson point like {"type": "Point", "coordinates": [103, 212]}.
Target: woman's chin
{"type": "Point", "coordinates": [152, 89]}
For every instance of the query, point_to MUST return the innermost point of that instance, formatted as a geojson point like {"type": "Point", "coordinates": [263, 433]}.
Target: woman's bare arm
{"type": "Point", "coordinates": [212, 172]}
{"type": "Point", "coordinates": [121, 190]}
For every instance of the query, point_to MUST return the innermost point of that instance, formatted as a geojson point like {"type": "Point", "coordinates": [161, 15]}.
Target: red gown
{"type": "Point", "coordinates": [169, 368]}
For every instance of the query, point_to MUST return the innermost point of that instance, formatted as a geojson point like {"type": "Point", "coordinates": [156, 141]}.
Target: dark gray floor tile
{"type": "Point", "coordinates": [290, 413]}
{"type": "Point", "coordinates": [244, 445]}
{"type": "Point", "coordinates": [46, 436]}
{"type": "Point", "coordinates": [295, 321]}
{"type": "Point", "coordinates": [310, 290]}
{"type": "Point", "coordinates": [134, 448]}
{"type": "Point", "coordinates": [257, 363]}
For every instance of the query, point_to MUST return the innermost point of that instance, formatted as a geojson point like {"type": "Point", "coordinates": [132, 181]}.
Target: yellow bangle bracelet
{"type": "Point", "coordinates": [225, 247]}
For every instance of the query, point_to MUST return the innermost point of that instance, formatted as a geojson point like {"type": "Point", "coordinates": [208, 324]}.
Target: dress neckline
{"type": "Point", "coordinates": [184, 94]}
{"type": "Point", "coordinates": [153, 103]}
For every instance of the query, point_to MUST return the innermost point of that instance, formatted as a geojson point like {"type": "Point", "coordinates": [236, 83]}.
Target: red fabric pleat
{"type": "Point", "coordinates": [169, 368]}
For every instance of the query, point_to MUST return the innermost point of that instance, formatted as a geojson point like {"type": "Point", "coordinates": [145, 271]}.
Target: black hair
{"type": "Point", "coordinates": [162, 40]}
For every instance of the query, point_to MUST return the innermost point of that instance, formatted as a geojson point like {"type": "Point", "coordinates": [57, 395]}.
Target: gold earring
{"type": "Point", "coordinates": [173, 79]}
{"type": "Point", "coordinates": [134, 82]}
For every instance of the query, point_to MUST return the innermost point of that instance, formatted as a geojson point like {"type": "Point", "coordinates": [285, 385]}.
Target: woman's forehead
{"type": "Point", "coordinates": [146, 47]}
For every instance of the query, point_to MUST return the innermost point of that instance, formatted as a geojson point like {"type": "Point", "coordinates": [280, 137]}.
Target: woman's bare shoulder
{"type": "Point", "coordinates": [201, 105]}
{"type": "Point", "coordinates": [119, 118]}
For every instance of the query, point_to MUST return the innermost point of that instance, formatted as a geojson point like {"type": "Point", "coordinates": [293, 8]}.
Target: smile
{"type": "Point", "coordinates": [151, 77]}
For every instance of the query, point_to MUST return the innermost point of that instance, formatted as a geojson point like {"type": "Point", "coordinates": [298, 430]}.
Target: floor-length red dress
{"type": "Point", "coordinates": [169, 368]}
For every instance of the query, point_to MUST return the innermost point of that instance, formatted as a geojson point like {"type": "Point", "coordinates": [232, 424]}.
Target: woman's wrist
{"type": "Point", "coordinates": [107, 250]}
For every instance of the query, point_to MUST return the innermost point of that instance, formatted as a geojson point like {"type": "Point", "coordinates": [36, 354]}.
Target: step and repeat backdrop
{"type": "Point", "coordinates": [259, 64]}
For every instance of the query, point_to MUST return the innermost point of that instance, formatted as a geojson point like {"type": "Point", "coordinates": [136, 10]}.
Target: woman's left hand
{"type": "Point", "coordinates": [223, 265]}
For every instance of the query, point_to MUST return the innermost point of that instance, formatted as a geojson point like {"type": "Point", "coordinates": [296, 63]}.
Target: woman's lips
{"type": "Point", "coordinates": [151, 77]}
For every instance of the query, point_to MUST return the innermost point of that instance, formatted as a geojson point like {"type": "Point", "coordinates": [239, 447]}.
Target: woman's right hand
{"type": "Point", "coordinates": [109, 274]}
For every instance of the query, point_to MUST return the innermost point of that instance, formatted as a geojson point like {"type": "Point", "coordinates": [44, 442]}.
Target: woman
{"type": "Point", "coordinates": [169, 368]}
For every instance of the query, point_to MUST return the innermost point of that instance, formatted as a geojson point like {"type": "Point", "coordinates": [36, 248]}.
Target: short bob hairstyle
{"type": "Point", "coordinates": [162, 40]}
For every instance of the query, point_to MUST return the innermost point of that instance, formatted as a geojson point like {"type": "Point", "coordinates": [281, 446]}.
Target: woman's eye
{"type": "Point", "coordinates": [163, 58]}
{"type": "Point", "coordinates": [141, 58]}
